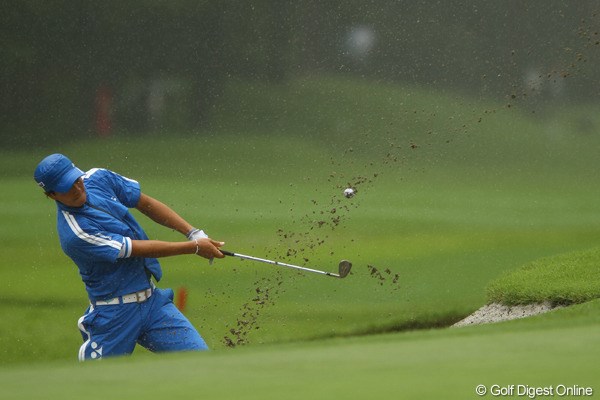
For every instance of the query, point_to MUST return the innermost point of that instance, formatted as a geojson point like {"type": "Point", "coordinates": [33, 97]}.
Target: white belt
{"type": "Point", "coordinates": [137, 297]}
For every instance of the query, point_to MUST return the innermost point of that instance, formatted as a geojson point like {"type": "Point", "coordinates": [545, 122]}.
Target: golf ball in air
{"type": "Point", "coordinates": [349, 192]}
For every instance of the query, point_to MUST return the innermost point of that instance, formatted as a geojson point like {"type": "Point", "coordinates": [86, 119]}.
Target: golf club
{"type": "Point", "coordinates": [343, 271]}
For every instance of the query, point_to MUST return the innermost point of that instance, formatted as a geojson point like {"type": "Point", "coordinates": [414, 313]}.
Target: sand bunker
{"type": "Point", "coordinates": [498, 312]}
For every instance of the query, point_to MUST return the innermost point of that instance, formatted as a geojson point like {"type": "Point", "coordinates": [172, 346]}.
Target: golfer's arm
{"type": "Point", "coordinates": [157, 248]}
{"type": "Point", "coordinates": [162, 214]}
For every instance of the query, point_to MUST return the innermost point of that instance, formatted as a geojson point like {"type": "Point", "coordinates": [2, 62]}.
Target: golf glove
{"type": "Point", "coordinates": [196, 234]}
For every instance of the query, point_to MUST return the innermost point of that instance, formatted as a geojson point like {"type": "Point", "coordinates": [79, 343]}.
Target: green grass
{"type": "Point", "coordinates": [484, 191]}
{"type": "Point", "coordinates": [447, 363]}
{"type": "Point", "coordinates": [434, 237]}
{"type": "Point", "coordinates": [563, 279]}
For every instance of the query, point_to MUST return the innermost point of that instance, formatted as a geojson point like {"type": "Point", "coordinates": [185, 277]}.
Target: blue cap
{"type": "Point", "coordinates": [56, 173]}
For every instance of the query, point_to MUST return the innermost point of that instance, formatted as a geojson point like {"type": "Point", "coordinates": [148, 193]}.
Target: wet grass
{"type": "Point", "coordinates": [564, 279]}
{"type": "Point", "coordinates": [483, 191]}
{"type": "Point", "coordinates": [447, 363]}
{"type": "Point", "coordinates": [446, 234]}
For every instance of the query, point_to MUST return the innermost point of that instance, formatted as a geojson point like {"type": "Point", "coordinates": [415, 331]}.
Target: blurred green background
{"type": "Point", "coordinates": [140, 66]}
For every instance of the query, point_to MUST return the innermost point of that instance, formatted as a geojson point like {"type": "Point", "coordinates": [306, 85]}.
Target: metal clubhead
{"type": "Point", "coordinates": [344, 268]}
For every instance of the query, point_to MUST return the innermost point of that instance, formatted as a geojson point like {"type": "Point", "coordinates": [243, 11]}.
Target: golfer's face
{"type": "Point", "coordinates": [75, 197]}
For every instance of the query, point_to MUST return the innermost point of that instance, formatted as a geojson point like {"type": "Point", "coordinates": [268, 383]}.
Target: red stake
{"type": "Point", "coordinates": [181, 298]}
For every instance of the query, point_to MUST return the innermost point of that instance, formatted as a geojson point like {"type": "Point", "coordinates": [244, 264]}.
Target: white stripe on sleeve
{"type": "Point", "coordinates": [90, 172]}
{"type": "Point", "coordinates": [92, 239]}
{"type": "Point", "coordinates": [126, 248]}
{"type": "Point", "coordinates": [129, 179]}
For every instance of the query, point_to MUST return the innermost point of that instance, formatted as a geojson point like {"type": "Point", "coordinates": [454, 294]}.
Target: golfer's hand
{"type": "Point", "coordinates": [209, 248]}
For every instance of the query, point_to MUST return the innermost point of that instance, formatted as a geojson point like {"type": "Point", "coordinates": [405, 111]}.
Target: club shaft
{"type": "Point", "coordinates": [279, 263]}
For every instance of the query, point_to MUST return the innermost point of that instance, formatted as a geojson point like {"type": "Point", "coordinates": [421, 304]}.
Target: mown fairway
{"type": "Point", "coordinates": [546, 351]}
{"type": "Point", "coordinates": [450, 195]}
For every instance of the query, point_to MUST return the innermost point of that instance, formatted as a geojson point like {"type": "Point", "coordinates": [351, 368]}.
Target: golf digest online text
{"type": "Point", "coordinates": [534, 392]}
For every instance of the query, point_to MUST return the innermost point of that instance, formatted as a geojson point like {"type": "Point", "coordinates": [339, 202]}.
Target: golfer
{"type": "Point", "coordinates": [117, 262]}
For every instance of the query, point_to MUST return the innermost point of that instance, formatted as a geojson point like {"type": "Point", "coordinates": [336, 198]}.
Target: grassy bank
{"type": "Point", "coordinates": [563, 279]}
